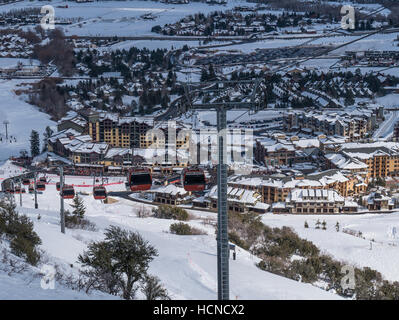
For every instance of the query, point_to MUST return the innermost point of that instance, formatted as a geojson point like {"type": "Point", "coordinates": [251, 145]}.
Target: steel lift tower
{"type": "Point", "coordinates": [221, 104]}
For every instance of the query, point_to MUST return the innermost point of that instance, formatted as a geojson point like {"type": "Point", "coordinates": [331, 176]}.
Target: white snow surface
{"type": "Point", "coordinates": [383, 255]}
{"type": "Point", "coordinates": [22, 117]}
{"type": "Point", "coordinates": [122, 18]}
{"type": "Point", "coordinates": [186, 264]}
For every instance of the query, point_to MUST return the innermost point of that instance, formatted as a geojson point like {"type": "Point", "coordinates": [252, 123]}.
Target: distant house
{"type": "Point", "coordinates": [377, 201]}
{"type": "Point", "coordinates": [239, 200]}
{"type": "Point", "coordinates": [170, 194]}
{"type": "Point", "coordinates": [72, 121]}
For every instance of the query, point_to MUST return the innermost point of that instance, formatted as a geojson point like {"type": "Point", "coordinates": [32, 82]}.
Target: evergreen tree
{"type": "Point", "coordinates": [337, 226]}
{"type": "Point", "coordinates": [211, 72]}
{"type": "Point", "coordinates": [118, 263]}
{"type": "Point", "coordinates": [78, 206]}
{"type": "Point", "coordinates": [18, 230]}
{"type": "Point", "coordinates": [23, 154]}
{"type": "Point", "coordinates": [34, 143]}
{"type": "Point", "coordinates": [153, 289]}
{"type": "Point", "coordinates": [349, 98]}
{"type": "Point", "coordinates": [204, 75]}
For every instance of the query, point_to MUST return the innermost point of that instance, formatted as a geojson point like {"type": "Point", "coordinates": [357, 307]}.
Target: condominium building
{"type": "Point", "coordinates": [314, 201]}
{"type": "Point", "coordinates": [276, 188]}
{"type": "Point", "coordinates": [353, 125]}
{"type": "Point", "coordinates": [382, 159]}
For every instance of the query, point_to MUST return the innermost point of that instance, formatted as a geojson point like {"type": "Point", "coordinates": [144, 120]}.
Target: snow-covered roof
{"type": "Point", "coordinates": [320, 179]}
{"type": "Point", "coordinates": [50, 156]}
{"type": "Point", "coordinates": [314, 195]}
{"type": "Point", "coordinates": [345, 163]}
{"type": "Point", "coordinates": [89, 147]}
{"type": "Point", "coordinates": [247, 197]}
{"type": "Point", "coordinates": [170, 189]}
{"type": "Point", "coordinates": [307, 143]}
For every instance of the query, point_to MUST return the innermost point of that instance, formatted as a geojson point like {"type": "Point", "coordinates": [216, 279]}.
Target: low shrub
{"type": "Point", "coordinates": [171, 212]}
{"type": "Point", "coordinates": [184, 229]}
{"type": "Point", "coordinates": [18, 230]}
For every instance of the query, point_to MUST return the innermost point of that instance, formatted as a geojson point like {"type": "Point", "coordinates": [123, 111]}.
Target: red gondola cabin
{"type": "Point", "coordinates": [194, 180]}
{"type": "Point", "coordinates": [140, 180]}
{"type": "Point", "coordinates": [40, 186]}
{"type": "Point", "coordinates": [99, 193]}
{"type": "Point", "coordinates": [68, 192]}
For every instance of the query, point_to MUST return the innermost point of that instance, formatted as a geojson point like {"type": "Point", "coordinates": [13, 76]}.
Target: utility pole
{"type": "Point", "coordinates": [6, 123]}
{"type": "Point", "coordinates": [20, 193]}
{"type": "Point", "coordinates": [11, 198]}
{"type": "Point", "coordinates": [13, 194]}
{"type": "Point", "coordinates": [62, 213]}
{"type": "Point", "coordinates": [35, 179]}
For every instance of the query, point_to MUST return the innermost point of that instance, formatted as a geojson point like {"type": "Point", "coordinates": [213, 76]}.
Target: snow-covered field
{"type": "Point", "coordinates": [122, 18]}
{"type": "Point", "coordinates": [13, 62]}
{"type": "Point", "coordinates": [22, 117]}
{"type": "Point", "coordinates": [152, 44]}
{"type": "Point", "coordinates": [381, 255]}
{"type": "Point", "coordinates": [186, 264]}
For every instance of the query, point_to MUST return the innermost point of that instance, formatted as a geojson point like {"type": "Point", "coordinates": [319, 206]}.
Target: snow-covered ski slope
{"type": "Point", "coordinates": [186, 264]}
{"type": "Point", "coordinates": [27, 286]}
{"type": "Point", "coordinates": [382, 254]}
{"type": "Point", "coordinates": [22, 118]}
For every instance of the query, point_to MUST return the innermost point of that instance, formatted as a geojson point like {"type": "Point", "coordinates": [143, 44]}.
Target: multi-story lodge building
{"type": "Point", "coordinates": [276, 188]}
{"type": "Point", "coordinates": [283, 151]}
{"type": "Point", "coordinates": [118, 131]}
{"type": "Point", "coordinates": [353, 125]}
{"type": "Point", "coordinates": [314, 201]}
{"type": "Point", "coordinates": [380, 159]}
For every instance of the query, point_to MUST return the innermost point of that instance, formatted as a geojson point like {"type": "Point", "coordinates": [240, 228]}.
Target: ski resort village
{"type": "Point", "coordinates": [199, 150]}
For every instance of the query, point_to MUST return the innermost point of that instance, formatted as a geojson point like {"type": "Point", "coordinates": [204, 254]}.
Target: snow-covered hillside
{"type": "Point", "coordinates": [186, 264]}
{"type": "Point", "coordinates": [22, 118]}
{"type": "Point", "coordinates": [382, 254]}
{"type": "Point", "coordinates": [16, 285]}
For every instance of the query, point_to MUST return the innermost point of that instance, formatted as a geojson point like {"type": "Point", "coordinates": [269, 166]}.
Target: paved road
{"type": "Point", "coordinates": [386, 128]}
